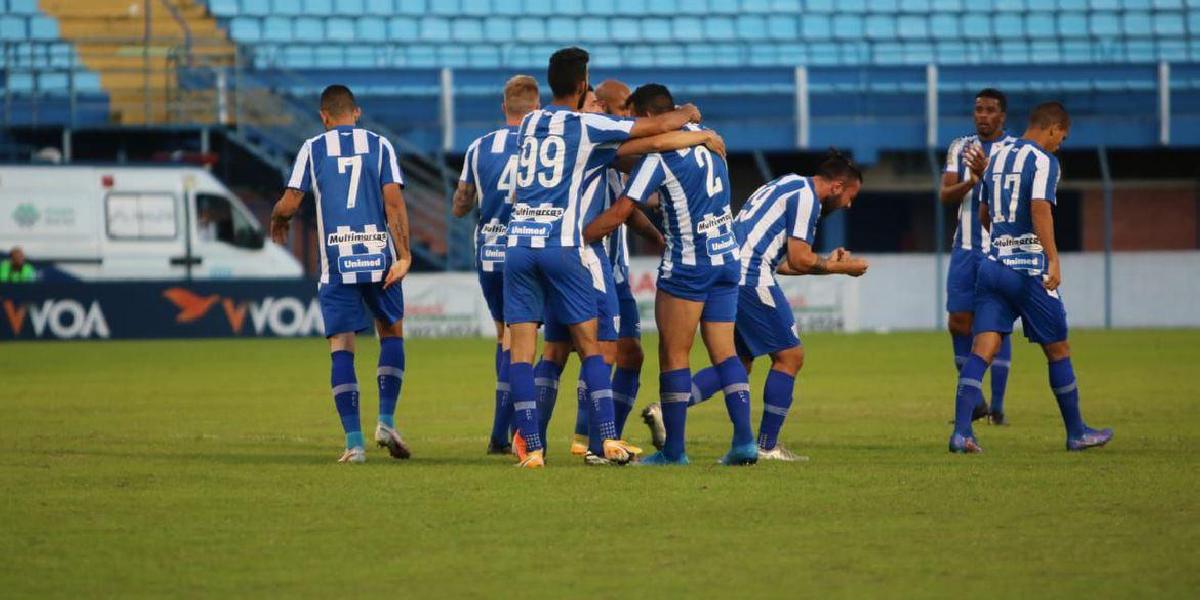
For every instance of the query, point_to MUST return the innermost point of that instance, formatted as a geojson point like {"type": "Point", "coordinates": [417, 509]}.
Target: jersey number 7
{"type": "Point", "coordinates": [355, 164]}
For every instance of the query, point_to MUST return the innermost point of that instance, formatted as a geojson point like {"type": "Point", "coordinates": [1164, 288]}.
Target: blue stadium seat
{"type": "Point", "coordinates": [255, 8]}
{"type": "Point", "coordinates": [498, 30]}
{"type": "Point", "coordinates": [663, 8]}
{"type": "Point", "coordinates": [1105, 4]}
{"type": "Point", "coordinates": [752, 28]}
{"type": "Point", "coordinates": [782, 27]}
{"type": "Point", "coordinates": [599, 8]}
{"type": "Point", "coordinates": [687, 29]}
{"type": "Point", "coordinates": [20, 82]}
{"type": "Point", "coordinates": [912, 27]}
{"type": "Point", "coordinates": [296, 57]}
{"type": "Point", "coordinates": [245, 29]}
{"type": "Point", "coordinates": [1136, 24]}
{"type": "Point", "coordinates": [531, 29]}
{"type": "Point", "coordinates": [452, 56]}
{"type": "Point", "coordinates": [402, 29]}
{"type": "Point", "coordinates": [445, 8]}
{"type": "Point", "coordinates": [23, 7]}
{"type": "Point", "coordinates": [223, 8]}
{"type": "Point", "coordinates": [435, 29]}
{"type": "Point", "coordinates": [370, 29]}
{"type": "Point", "coordinates": [656, 30]}
{"type": "Point", "coordinates": [319, 9]}
{"type": "Point", "coordinates": [562, 29]}
{"type": "Point", "coordinates": [625, 29]}
{"type": "Point", "coordinates": [572, 8]}
{"type": "Point", "coordinates": [944, 26]}
{"type": "Point", "coordinates": [329, 57]}
{"type": "Point", "coordinates": [1009, 5]}
{"type": "Point", "coordinates": [87, 82]}
{"type": "Point", "coordinates": [816, 27]}
{"type": "Point", "coordinates": [52, 82]}
{"type": "Point", "coordinates": [378, 7]}
{"type": "Point", "coordinates": [607, 55]}
{"type": "Point", "coordinates": [756, 6]}
{"type": "Point", "coordinates": [633, 8]}
{"type": "Point", "coordinates": [719, 29]}
{"type": "Point", "coordinates": [1040, 26]}
{"type": "Point", "coordinates": [411, 7]}
{"type": "Point", "coordinates": [483, 56]}
{"type": "Point", "coordinates": [286, 8]}
{"type": "Point", "coordinates": [883, 6]}
{"type": "Point", "coordinates": [594, 29]}
{"type": "Point", "coordinates": [1072, 5]}
{"type": "Point", "coordinates": [947, 5]}
{"type": "Point", "coordinates": [1008, 26]}
{"type": "Point", "coordinates": [691, 7]}
{"type": "Point", "coordinates": [538, 7]}
{"type": "Point", "coordinates": [847, 27]}
{"type": "Point", "coordinates": [12, 28]}
{"type": "Point", "coordinates": [1104, 24]}
{"type": "Point", "coordinates": [420, 56]}
{"type": "Point", "coordinates": [477, 8]}
{"type": "Point", "coordinates": [43, 29]}
{"type": "Point", "coordinates": [818, 6]}
{"type": "Point", "coordinates": [916, 6]}
{"type": "Point", "coordinates": [1194, 24]}
{"type": "Point", "coordinates": [1044, 52]}
{"type": "Point", "coordinates": [1165, 4]}
{"type": "Point", "coordinates": [1072, 25]}
{"type": "Point", "coordinates": [1015, 51]}
{"type": "Point", "coordinates": [669, 55]}
{"type": "Point", "coordinates": [359, 57]}
{"type": "Point", "coordinates": [309, 29]}
{"type": "Point", "coordinates": [1168, 23]}
{"type": "Point", "coordinates": [467, 30]}
{"type": "Point", "coordinates": [276, 29]}
{"type": "Point", "coordinates": [881, 27]}
{"type": "Point", "coordinates": [339, 29]}
{"type": "Point", "coordinates": [852, 6]}
{"type": "Point", "coordinates": [976, 25]}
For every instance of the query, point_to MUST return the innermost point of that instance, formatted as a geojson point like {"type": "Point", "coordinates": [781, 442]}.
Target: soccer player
{"type": "Point", "coordinates": [599, 191]}
{"type": "Point", "coordinates": [776, 230]}
{"type": "Point", "coordinates": [697, 279]}
{"type": "Point", "coordinates": [363, 223]}
{"type": "Point", "coordinates": [1021, 276]}
{"type": "Point", "coordinates": [488, 174]}
{"type": "Point", "coordinates": [965, 161]}
{"type": "Point", "coordinates": [545, 266]}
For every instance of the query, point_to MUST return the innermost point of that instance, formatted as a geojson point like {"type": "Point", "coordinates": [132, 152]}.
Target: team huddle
{"type": "Point", "coordinates": [558, 191]}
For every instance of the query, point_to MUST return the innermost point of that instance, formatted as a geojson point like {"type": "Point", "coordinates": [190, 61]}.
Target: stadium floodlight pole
{"type": "Point", "coordinates": [1106, 182]}
{"type": "Point", "coordinates": [939, 218]}
{"type": "Point", "coordinates": [447, 85]}
{"type": "Point", "coordinates": [1164, 103]}
{"type": "Point", "coordinates": [802, 109]}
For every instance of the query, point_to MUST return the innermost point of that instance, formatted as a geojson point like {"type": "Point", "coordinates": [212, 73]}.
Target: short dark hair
{"type": "Point", "coordinates": [839, 166]}
{"type": "Point", "coordinates": [567, 68]}
{"type": "Point", "coordinates": [651, 99]}
{"type": "Point", "coordinates": [1048, 114]}
{"type": "Point", "coordinates": [338, 100]}
{"type": "Point", "coordinates": [996, 95]}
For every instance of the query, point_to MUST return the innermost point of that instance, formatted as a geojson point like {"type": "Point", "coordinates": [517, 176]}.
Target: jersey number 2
{"type": "Point", "coordinates": [711, 182]}
{"type": "Point", "coordinates": [355, 164]}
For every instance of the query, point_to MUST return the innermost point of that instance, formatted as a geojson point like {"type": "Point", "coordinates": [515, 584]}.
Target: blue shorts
{"type": "Point", "coordinates": [765, 324]}
{"type": "Point", "coordinates": [715, 286]}
{"type": "Point", "coordinates": [631, 315]}
{"type": "Point", "coordinates": [554, 279]}
{"type": "Point", "coordinates": [492, 284]}
{"type": "Point", "coordinates": [342, 305]}
{"type": "Point", "coordinates": [608, 316]}
{"type": "Point", "coordinates": [960, 280]}
{"type": "Point", "coordinates": [1003, 294]}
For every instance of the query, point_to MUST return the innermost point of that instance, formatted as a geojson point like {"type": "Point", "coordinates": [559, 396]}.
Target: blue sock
{"type": "Point", "coordinates": [545, 381]}
{"type": "Point", "coordinates": [500, 357]}
{"type": "Point", "coordinates": [502, 420]}
{"type": "Point", "coordinates": [736, 383]}
{"type": "Point", "coordinates": [1062, 381]}
{"type": "Point", "coordinates": [674, 394]}
{"type": "Point", "coordinates": [345, 396]}
{"type": "Point", "coordinates": [391, 377]}
{"type": "Point", "coordinates": [777, 398]}
{"type": "Point", "coordinates": [1000, 365]}
{"type": "Point", "coordinates": [969, 394]}
{"type": "Point", "coordinates": [582, 407]}
{"type": "Point", "coordinates": [962, 349]}
{"type": "Point", "coordinates": [525, 409]}
{"type": "Point", "coordinates": [705, 383]}
{"type": "Point", "coordinates": [601, 425]}
{"type": "Point", "coordinates": [625, 386]}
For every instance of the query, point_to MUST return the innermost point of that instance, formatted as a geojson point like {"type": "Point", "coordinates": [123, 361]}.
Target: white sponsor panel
{"type": "Point", "coordinates": [445, 305]}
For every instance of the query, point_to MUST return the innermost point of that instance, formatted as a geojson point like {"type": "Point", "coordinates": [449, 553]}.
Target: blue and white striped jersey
{"type": "Point", "coordinates": [617, 243]}
{"type": "Point", "coordinates": [346, 168]}
{"type": "Point", "coordinates": [693, 187]}
{"type": "Point", "coordinates": [1019, 173]}
{"type": "Point", "coordinates": [491, 166]}
{"type": "Point", "coordinates": [784, 208]}
{"type": "Point", "coordinates": [969, 234]}
{"type": "Point", "coordinates": [561, 150]}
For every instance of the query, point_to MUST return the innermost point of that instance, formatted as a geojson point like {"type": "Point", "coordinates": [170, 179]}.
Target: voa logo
{"type": "Point", "coordinates": [63, 319]}
{"type": "Point", "coordinates": [284, 317]}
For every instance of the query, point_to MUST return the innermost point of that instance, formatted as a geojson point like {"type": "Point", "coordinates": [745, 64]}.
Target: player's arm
{"type": "Point", "coordinates": [801, 260]}
{"type": "Point", "coordinates": [641, 224]}
{"type": "Point", "coordinates": [668, 121]}
{"type": "Point", "coordinates": [609, 220]}
{"type": "Point", "coordinates": [672, 140]}
{"type": "Point", "coordinates": [953, 189]}
{"type": "Point", "coordinates": [1043, 226]}
{"type": "Point", "coordinates": [281, 215]}
{"type": "Point", "coordinates": [397, 221]}
{"type": "Point", "coordinates": [464, 199]}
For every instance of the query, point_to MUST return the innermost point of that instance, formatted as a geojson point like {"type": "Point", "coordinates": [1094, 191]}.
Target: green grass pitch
{"type": "Point", "coordinates": [206, 468]}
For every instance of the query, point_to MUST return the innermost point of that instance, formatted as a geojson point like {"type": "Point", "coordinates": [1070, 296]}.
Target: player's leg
{"type": "Point", "coordinates": [388, 307]}
{"type": "Point", "coordinates": [778, 392]}
{"type": "Point", "coordinates": [765, 317]}
{"type": "Point", "coordinates": [627, 377]}
{"type": "Point", "coordinates": [1044, 320]}
{"type": "Point", "coordinates": [716, 327]}
{"type": "Point", "coordinates": [548, 371]}
{"type": "Point", "coordinates": [961, 278]}
{"type": "Point", "coordinates": [492, 284]}
{"type": "Point", "coordinates": [677, 319]}
{"type": "Point", "coordinates": [342, 312]}
{"type": "Point", "coordinates": [999, 376]}
{"type": "Point", "coordinates": [607, 317]}
{"type": "Point", "coordinates": [994, 314]}
{"type": "Point", "coordinates": [524, 304]}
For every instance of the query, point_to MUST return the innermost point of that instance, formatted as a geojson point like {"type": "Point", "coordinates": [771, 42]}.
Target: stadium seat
{"type": "Point", "coordinates": [1008, 26]}
{"type": "Point", "coordinates": [1072, 25]}
{"type": "Point", "coordinates": [291, 8]}
{"type": "Point", "coordinates": [1072, 5]}
{"type": "Point", "coordinates": [751, 28]}
{"type": "Point", "coordinates": [483, 56]}
{"type": "Point", "coordinates": [944, 27]}
{"type": "Point", "coordinates": [782, 27]}
{"type": "Point", "coordinates": [915, 6]}
{"type": "Point", "coordinates": [476, 8]}
{"type": "Point", "coordinates": [370, 29]}
{"type": "Point", "coordinates": [818, 6]}
{"type": "Point", "coordinates": [1168, 4]}
{"type": "Point", "coordinates": [435, 29]}
{"type": "Point", "coordinates": [687, 29]}
{"type": "Point", "coordinates": [719, 29]}
{"type": "Point", "coordinates": [383, 8]}
{"type": "Point", "coordinates": [1136, 24]}
{"type": "Point", "coordinates": [847, 27]}
{"type": "Point", "coordinates": [319, 9]}
{"type": "Point", "coordinates": [663, 8]}
{"type": "Point", "coordinates": [467, 30]}
{"type": "Point", "coordinates": [20, 82]}
{"type": "Point", "coordinates": [912, 27]}
{"type": "Point", "coordinates": [1168, 23]}
{"type": "Point", "coordinates": [1104, 24]}
{"type": "Point", "coordinates": [452, 56]}
{"type": "Point", "coordinates": [600, 8]}
{"type": "Point", "coordinates": [12, 28]}
{"type": "Point", "coordinates": [339, 29]}
{"type": "Point", "coordinates": [87, 82]}
{"type": "Point", "coordinates": [255, 8]}
{"type": "Point", "coordinates": [402, 29]}
{"type": "Point", "coordinates": [245, 29]}
{"type": "Point", "coordinates": [43, 29]}
{"type": "Point", "coordinates": [445, 8]}
{"type": "Point", "coordinates": [883, 6]}
{"type": "Point", "coordinates": [669, 55]}
{"type": "Point", "coordinates": [329, 57]}
{"type": "Point", "coordinates": [223, 8]}
{"type": "Point", "coordinates": [607, 55]}
{"type": "Point", "coordinates": [1008, 5]}
{"type": "Point", "coordinates": [569, 7]}
{"type": "Point", "coordinates": [633, 8]}
{"type": "Point", "coordinates": [624, 29]}
{"type": "Point", "coordinates": [852, 6]}
{"type": "Point", "coordinates": [530, 29]}
{"type": "Point", "coordinates": [562, 29]}
{"type": "Point", "coordinates": [538, 7]}
{"type": "Point", "coordinates": [593, 29]}
{"type": "Point", "coordinates": [656, 30]}
{"type": "Point", "coordinates": [358, 57]}
{"type": "Point", "coordinates": [411, 7]}
{"type": "Point", "coordinates": [308, 29]}
{"type": "Point", "coordinates": [954, 6]}
{"type": "Point", "coordinates": [276, 29]}
{"type": "Point", "coordinates": [816, 27]}
{"type": "Point", "coordinates": [881, 27]}
{"type": "Point", "coordinates": [976, 26]}
{"type": "Point", "coordinates": [498, 30]}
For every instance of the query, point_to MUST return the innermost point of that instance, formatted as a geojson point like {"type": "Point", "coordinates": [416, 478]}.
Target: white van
{"type": "Point", "coordinates": [99, 223]}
